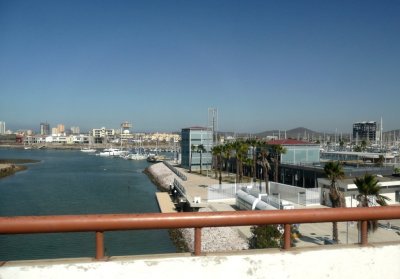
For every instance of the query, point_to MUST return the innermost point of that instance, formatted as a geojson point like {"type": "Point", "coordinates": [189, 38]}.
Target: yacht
{"type": "Point", "coordinates": [136, 156]}
{"type": "Point", "coordinates": [88, 150]}
{"type": "Point", "coordinates": [113, 152]}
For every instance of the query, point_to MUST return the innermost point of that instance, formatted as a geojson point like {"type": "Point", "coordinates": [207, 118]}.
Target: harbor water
{"type": "Point", "coordinates": [67, 182]}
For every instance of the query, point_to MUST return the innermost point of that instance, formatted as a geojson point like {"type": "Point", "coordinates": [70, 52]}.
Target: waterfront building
{"type": "Point", "coordinates": [195, 136]}
{"type": "Point", "coordinates": [44, 128]}
{"type": "Point", "coordinates": [2, 127]}
{"type": "Point", "coordinates": [102, 135]}
{"type": "Point", "coordinates": [298, 152]}
{"type": "Point", "coordinates": [364, 131]}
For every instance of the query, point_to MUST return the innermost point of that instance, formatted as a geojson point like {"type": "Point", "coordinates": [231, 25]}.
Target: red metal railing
{"type": "Point", "coordinates": [114, 222]}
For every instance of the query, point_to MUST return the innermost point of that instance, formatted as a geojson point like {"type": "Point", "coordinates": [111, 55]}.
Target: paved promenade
{"type": "Point", "coordinates": [196, 185]}
{"type": "Point", "coordinates": [311, 234]}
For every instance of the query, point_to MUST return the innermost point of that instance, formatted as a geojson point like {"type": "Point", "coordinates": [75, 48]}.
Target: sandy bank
{"type": "Point", "coordinates": [10, 169]}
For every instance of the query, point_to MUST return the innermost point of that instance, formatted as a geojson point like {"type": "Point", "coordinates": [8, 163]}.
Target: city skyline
{"type": "Point", "coordinates": [161, 65]}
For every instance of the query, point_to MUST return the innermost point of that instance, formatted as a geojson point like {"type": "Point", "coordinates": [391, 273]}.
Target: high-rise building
{"type": "Point", "coordinates": [61, 128]}
{"type": "Point", "coordinates": [364, 131]}
{"type": "Point", "coordinates": [44, 128]}
{"type": "Point", "coordinates": [2, 127]}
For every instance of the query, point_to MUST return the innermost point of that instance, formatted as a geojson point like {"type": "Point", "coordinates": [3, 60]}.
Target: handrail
{"type": "Point", "coordinates": [114, 222]}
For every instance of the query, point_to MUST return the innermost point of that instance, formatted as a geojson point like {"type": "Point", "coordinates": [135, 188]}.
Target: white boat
{"type": "Point", "coordinates": [113, 152]}
{"type": "Point", "coordinates": [88, 150]}
{"type": "Point", "coordinates": [136, 156]}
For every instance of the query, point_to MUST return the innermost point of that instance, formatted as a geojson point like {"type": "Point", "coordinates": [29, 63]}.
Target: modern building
{"type": "Point", "coordinates": [364, 131]}
{"type": "Point", "coordinates": [44, 128]}
{"type": "Point", "coordinates": [192, 138]}
{"type": "Point", "coordinates": [298, 152]}
{"type": "Point", "coordinates": [2, 127]}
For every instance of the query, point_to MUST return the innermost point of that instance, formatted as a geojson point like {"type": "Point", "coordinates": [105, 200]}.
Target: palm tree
{"type": "Point", "coordinates": [379, 162]}
{"type": "Point", "coordinates": [277, 151]}
{"type": "Point", "coordinates": [201, 149]}
{"type": "Point", "coordinates": [241, 149]}
{"type": "Point", "coordinates": [254, 144]}
{"type": "Point", "coordinates": [227, 150]}
{"type": "Point", "coordinates": [368, 194]}
{"type": "Point", "coordinates": [334, 171]}
{"type": "Point", "coordinates": [218, 152]}
{"type": "Point", "coordinates": [193, 149]}
{"type": "Point", "coordinates": [264, 163]}
{"type": "Point", "coordinates": [363, 145]}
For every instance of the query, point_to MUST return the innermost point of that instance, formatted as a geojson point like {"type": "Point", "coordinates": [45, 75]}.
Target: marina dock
{"type": "Point", "coordinates": [165, 203]}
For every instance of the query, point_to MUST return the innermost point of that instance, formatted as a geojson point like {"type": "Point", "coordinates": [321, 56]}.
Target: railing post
{"type": "Point", "coordinates": [364, 233]}
{"type": "Point", "coordinates": [99, 245]}
{"type": "Point", "coordinates": [197, 241]}
{"type": "Point", "coordinates": [286, 237]}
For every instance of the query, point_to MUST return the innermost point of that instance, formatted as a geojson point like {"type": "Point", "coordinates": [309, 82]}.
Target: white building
{"type": "Point", "coordinates": [103, 132]}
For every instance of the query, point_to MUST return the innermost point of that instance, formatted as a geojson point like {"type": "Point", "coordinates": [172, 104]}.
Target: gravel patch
{"type": "Point", "coordinates": [216, 239]}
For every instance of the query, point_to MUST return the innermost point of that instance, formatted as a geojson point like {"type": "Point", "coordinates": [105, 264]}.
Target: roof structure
{"type": "Point", "coordinates": [289, 142]}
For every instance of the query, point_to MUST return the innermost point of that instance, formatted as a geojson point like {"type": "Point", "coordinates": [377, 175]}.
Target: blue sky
{"type": "Point", "coordinates": [161, 64]}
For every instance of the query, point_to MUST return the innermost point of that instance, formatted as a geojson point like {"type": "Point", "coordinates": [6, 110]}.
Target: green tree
{"type": "Point", "coordinates": [217, 151]}
{"type": "Point", "coordinates": [277, 151]}
{"type": "Point", "coordinates": [192, 149]}
{"type": "Point", "coordinates": [363, 145]}
{"type": "Point", "coordinates": [267, 236]}
{"type": "Point", "coordinates": [357, 148]}
{"type": "Point", "coordinates": [264, 163]}
{"type": "Point", "coordinates": [379, 162]}
{"type": "Point", "coordinates": [227, 150]}
{"type": "Point", "coordinates": [201, 150]}
{"type": "Point", "coordinates": [254, 144]}
{"type": "Point", "coordinates": [334, 172]}
{"type": "Point", "coordinates": [240, 149]}
{"type": "Point", "coordinates": [369, 194]}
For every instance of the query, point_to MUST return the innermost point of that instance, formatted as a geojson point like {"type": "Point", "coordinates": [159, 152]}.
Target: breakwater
{"type": "Point", "coordinates": [161, 175]}
{"type": "Point", "coordinates": [213, 239]}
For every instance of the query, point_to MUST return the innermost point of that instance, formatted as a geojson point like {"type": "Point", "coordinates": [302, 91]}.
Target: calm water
{"type": "Point", "coordinates": [71, 182]}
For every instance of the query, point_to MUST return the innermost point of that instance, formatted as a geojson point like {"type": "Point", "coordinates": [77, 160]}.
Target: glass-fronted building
{"type": "Point", "coordinates": [195, 136]}
{"type": "Point", "coordinates": [298, 152]}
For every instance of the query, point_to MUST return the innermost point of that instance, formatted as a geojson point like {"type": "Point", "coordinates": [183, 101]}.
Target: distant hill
{"type": "Point", "coordinates": [299, 132]}
{"type": "Point", "coordinates": [302, 133]}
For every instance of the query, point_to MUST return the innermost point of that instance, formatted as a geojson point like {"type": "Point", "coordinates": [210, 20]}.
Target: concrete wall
{"type": "Point", "coordinates": [378, 261]}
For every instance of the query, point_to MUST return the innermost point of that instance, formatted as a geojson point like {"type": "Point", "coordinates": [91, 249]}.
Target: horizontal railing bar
{"type": "Point", "coordinates": [113, 222]}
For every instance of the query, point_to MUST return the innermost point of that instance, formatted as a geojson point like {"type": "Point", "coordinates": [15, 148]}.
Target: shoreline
{"type": "Point", "coordinates": [9, 167]}
{"type": "Point", "coordinates": [161, 176]}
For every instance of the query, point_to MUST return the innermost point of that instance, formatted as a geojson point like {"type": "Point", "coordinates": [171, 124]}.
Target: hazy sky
{"type": "Point", "coordinates": [161, 64]}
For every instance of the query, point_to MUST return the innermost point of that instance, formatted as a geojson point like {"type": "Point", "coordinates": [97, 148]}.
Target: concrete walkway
{"type": "Point", "coordinates": [196, 185]}
{"type": "Point", "coordinates": [312, 234]}
{"type": "Point", "coordinates": [164, 202]}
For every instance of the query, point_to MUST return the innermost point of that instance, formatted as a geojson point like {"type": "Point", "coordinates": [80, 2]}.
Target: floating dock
{"type": "Point", "coordinates": [164, 202]}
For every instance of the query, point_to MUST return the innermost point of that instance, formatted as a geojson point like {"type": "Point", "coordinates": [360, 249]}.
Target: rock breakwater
{"type": "Point", "coordinates": [161, 175]}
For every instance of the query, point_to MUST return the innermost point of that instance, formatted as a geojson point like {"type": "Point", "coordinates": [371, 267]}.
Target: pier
{"type": "Point", "coordinates": [165, 203]}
